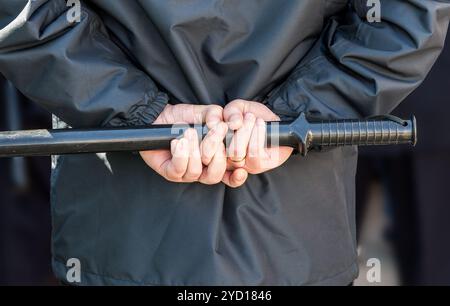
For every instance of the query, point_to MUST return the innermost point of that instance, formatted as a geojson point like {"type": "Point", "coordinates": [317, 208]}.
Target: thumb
{"type": "Point", "coordinates": [236, 178]}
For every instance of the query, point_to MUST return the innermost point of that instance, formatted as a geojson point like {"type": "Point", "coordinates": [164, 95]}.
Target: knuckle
{"type": "Point", "coordinates": [215, 175]}
{"type": "Point", "coordinates": [173, 176]}
{"type": "Point", "coordinates": [207, 158]}
{"type": "Point", "coordinates": [215, 182]}
{"type": "Point", "coordinates": [176, 172]}
{"type": "Point", "coordinates": [192, 132]}
{"type": "Point", "coordinates": [173, 180]}
{"type": "Point", "coordinates": [216, 109]}
{"type": "Point", "coordinates": [212, 137]}
{"type": "Point", "coordinates": [250, 117]}
{"type": "Point", "coordinates": [194, 173]}
{"type": "Point", "coordinates": [211, 181]}
{"type": "Point", "coordinates": [234, 103]}
{"type": "Point", "coordinates": [192, 178]}
{"type": "Point", "coordinates": [240, 101]}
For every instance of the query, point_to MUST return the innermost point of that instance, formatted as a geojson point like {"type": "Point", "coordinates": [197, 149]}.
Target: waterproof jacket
{"type": "Point", "coordinates": [125, 60]}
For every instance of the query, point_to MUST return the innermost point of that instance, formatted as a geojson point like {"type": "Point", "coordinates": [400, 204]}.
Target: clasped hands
{"type": "Point", "coordinates": [208, 161]}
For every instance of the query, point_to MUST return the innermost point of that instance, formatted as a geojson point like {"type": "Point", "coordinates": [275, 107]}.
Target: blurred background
{"type": "Point", "coordinates": [403, 206]}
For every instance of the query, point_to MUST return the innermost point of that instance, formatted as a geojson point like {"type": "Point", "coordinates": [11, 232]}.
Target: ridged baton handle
{"type": "Point", "coordinates": [377, 131]}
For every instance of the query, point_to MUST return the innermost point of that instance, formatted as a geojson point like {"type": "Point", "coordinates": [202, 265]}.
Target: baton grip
{"type": "Point", "coordinates": [383, 130]}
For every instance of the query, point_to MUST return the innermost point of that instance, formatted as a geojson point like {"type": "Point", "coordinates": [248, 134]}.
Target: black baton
{"type": "Point", "coordinates": [300, 134]}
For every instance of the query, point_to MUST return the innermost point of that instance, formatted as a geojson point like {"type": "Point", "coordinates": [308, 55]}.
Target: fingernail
{"type": "Point", "coordinates": [235, 119]}
{"type": "Point", "coordinates": [240, 176]}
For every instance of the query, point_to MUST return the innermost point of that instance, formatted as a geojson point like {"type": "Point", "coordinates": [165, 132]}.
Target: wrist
{"type": "Point", "coordinates": [162, 118]}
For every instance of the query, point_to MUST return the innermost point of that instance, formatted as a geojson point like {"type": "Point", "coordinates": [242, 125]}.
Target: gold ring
{"type": "Point", "coordinates": [238, 161]}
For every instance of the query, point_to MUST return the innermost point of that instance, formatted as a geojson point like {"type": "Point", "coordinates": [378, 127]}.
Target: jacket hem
{"type": "Point", "coordinates": [343, 278]}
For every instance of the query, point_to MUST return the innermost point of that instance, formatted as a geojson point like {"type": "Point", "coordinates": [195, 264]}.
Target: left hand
{"type": "Point", "coordinates": [247, 148]}
{"type": "Point", "coordinates": [188, 160]}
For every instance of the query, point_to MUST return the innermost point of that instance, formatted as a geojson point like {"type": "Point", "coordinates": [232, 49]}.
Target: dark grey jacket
{"type": "Point", "coordinates": [126, 59]}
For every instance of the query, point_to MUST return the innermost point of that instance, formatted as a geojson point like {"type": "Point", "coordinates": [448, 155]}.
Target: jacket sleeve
{"type": "Point", "coordinates": [357, 68]}
{"type": "Point", "coordinates": [73, 70]}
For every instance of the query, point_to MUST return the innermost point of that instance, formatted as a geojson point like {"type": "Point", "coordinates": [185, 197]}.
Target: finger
{"type": "Point", "coordinates": [257, 158]}
{"type": "Point", "coordinates": [212, 142]}
{"type": "Point", "coordinates": [214, 173]}
{"type": "Point", "coordinates": [235, 178]}
{"type": "Point", "coordinates": [198, 114]}
{"type": "Point", "coordinates": [193, 114]}
{"type": "Point", "coordinates": [261, 159]}
{"type": "Point", "coordinates": [194, 168]}
{"type": "Point", "coordinates": [155, 158]}
{"type": "Point", "coordinates": [175, 168]}
{"type": "Point", "coordinates": [239, 143]}
{"type": "Point", "coordinates": [232, 166]}
{"type": "Point", "coordinates": [256, 147]}
{"type": "Point", "coordinates": [279, 155]}
{"type": "Point", "coordinates": [233, 114]}
{"type": "Point", "coordinates": [234, 108]}
{"type": "Point", "coordinates": [213, 116]}
{"type": "Point", "coordinates": [261, 111]}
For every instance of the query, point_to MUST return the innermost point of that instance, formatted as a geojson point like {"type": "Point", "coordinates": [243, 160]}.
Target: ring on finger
{"type": "Point", "coordinates": [238, 160]}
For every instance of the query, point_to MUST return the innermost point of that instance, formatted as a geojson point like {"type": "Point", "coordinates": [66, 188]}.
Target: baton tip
{"type": "Point", "coordinates": [414, 130]}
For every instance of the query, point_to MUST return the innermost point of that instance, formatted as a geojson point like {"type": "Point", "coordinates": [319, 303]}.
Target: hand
{"type": "Point", "coordinates": [247, 148]}
{"type": "Point", "coordinates": [188, 160]}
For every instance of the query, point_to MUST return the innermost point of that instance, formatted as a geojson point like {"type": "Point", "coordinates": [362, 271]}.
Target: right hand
{"type": "Point", "coordinates": [188, 160]}
{"type": "Point", "coordinates": [247, 148]}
